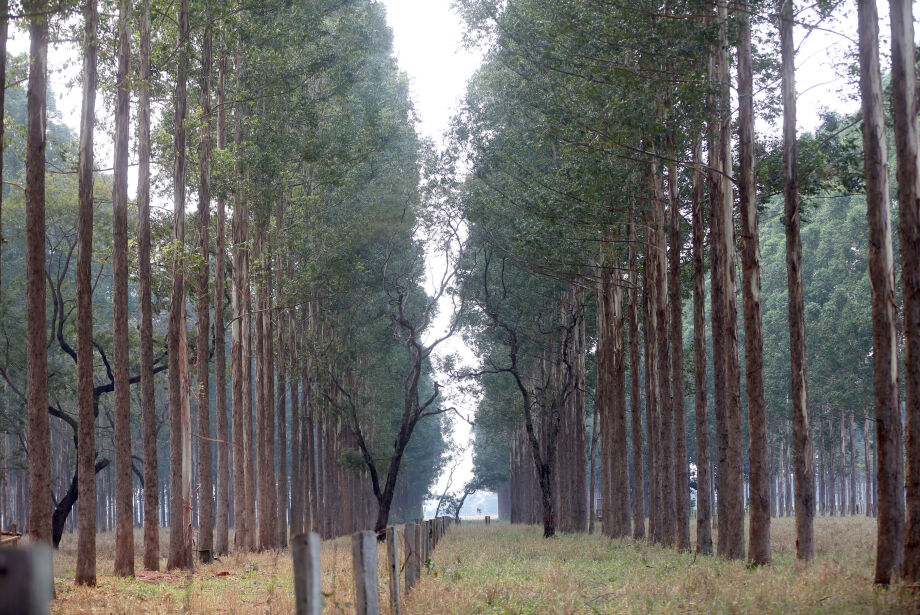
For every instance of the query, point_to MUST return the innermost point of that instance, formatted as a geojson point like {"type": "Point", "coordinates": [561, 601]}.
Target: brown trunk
{"type": "Point", "coordinates": [635, 391]}
{"type": "Point", "coordinates": [282, 497]}
{"type": "Point", "coordinates": [652, 423]}
{"type": "Point", "coordinates": [731, 471]}
{"type": "Point", "coordinates": [124, 526]}
{"type": "Point", "coordinates": [205, 480]}
{"type": "Point", "coordinates": [239, 326]}
{"type": "Point", "coordinates": [221, 530]}
{"type": "Point", "coordinates": [890, 544]}
{"type": "Point", "coordinates": [268, 347]}
{"type": "Point", "coordinates": [703, 473]}
{"type": "Point", "coordinates": [663, 367]}
{"type": "Point", "coordinates": [86, 419]}
{"type": "Point", "coordinates": [866, 432]}
{"type": "Point", "coordinates": [180, 547]}
{"type": "Point", "coordinates": [681, 464]}
{"type": "Point", "coordinates": [264, 501]}
{"type": "Point", "coordinates": [39, 435]}
{"type": "Point", "coordinates": [759, 545]}
{"type": "Point", "coordinates": [4, 34]}
{"type": "Point", "coordinates": [717, 291]}
{"type": "Point", "coordinates": [803, 448]}
{"type": "Point", "coordinates": [148, 402]}
{"type": "Point", "coordinates": [905, 106]}
{"type": "Point", "coordinates": [298, 485]}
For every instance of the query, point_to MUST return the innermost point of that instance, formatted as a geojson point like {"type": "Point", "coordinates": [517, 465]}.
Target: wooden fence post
{"type": "Point", "coordinates": [364, 558]}
{"type": "Point", "coordinates": [26, 580]}
{"type": "Point", "coordinates": [393, 566]}
{"type": "Point", "coordinates": [308, 599]}
{"type": "Point", "coordinates": [412, 555]}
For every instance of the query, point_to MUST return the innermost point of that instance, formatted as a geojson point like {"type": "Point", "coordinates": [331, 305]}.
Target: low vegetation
{"type": "Point", "coordinates": [511, 569]}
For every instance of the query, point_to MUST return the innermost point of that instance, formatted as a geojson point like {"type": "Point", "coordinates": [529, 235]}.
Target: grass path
{"type": "Point", "coordinates": [504, 569]}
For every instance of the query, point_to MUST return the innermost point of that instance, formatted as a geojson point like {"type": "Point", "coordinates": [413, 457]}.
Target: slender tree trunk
{"type": "Point", "coordinates": [148, 401]}
{"type": "Point", "coordinates": [663, 367]}
{"type": "Point", "coordinates": [221, 530]}
{"type": "Point", "coordinates": [205, 479]}
{"type": "Point", "coordinates": [239, 326]}
{"type": "Point", "coordinates": [86, 419]}
{"type": "Point", "coordinates": [890, 544]}
{"type": "Point", "coordinates": [268, 348]}
{"type": "Point", "coordinates": [681, 464]}
{"type": "Point", "coordinates": [635, 390]}
{"type": "Point", "coordinates": [124, 527]}
{"type": "Point", "coordinates": [759, 545]}
{"type": "Point", "coordinates": [282, 497]}
{"type": "Point", "coordinates": [866, 432]}
{"type": "Point", "coordinates": [180, 547]}
{"type": "Point", "coordinates": [803, 448]}
{"type": "Point", "coordinates": [39, 434]}
{"type": "Point", "coordinates": [905, 106]}
{"type": "Point", "coordinates": [703, 473]}
{"type": "Point", "coordinates": [4, 35]}
{"type": "Point", "coordinates": [652, 420]}
{"type": "Point", "coordinates": [298, 484]}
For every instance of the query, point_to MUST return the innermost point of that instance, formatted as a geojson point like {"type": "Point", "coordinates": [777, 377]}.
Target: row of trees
{"type": "Point", "coordinates": [608, 161]}
{"type": "Point", "coordinates": [293, 120]}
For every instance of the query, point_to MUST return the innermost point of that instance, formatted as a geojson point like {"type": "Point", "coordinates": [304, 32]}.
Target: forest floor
{"type": "Point", "coordinates": [505, 569]}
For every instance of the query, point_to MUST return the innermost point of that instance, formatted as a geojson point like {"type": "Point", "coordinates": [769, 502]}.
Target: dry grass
{"type": "Point", "coordinates": [505, 569]}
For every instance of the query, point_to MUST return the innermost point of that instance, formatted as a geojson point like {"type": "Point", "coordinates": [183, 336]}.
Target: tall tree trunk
{"type": "Point", "coordinates": [803, 448]}
{"type": "Point", "coordinates": [281, 499]}
{"type": "Point", "coordinates": [731, 472]}
{"type": "Point", "coordinates": [4, 35]}
{"type": "Point", "coordinates": [651, 401]}
{"type": "Point", "coordinates": [180, 547]}
{"type": "Point", "coordinates": [39, 434]}
{"type": "Point", "coordinates": [866, 432]}
{"type": "Point", "coordinates": [905, 106]}
{"type": "Point", "coordinates": [890, 545]}
{"type": "Point", "coordinates": [703, 474]}
{"type": "Point", "coordinates": [205, 480]}
{"type": "Point", "coordinates": [124, 527]}
{"type": "Point", "coordinates": [663, 367]}
{"type": "Point", "coordinates": [239, 326]}
{"type": "Point", "coordinates": [268, 348]}
{"type": "Point", "coordinates": [717, 292]}
{"type": "Point", "coordinates": [635, 390]}
{"type": "Point", "coordinates": [86, 418]}
{"type": "Point", "coordinates": [759, 545]}
{"type": "Point", "coordinates": [148, 401]}
{"type": "Point", "coordinates": [681, 464]}
{"type": "Point", "coordinates": [298, 485]}
{"type": "Point", "coordinates": [222, 527]}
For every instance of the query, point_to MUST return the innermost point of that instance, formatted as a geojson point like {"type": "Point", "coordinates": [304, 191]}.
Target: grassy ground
{"type": "Point", "coordinates": [503, 569]}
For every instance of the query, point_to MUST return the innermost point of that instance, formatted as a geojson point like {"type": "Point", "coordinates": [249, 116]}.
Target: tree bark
{"type": "Point", "coordinates": [180, 547]}
{"type": "Point", "coordinates": [148, 402]}
{"type": "Point", "coordinates": [635, 390]}
{"type": "Point", "coordinates": [703, 474]}
{"type": "Point", "coordinates": [221, 530]}
{"type": "Point", "coordinates": [124, 501]}
{"type": "Point", "coordinates": [86, 417]}
{"type": "Point", "coordinates": [39, 434]}
{"type": "Point", "coordinates": [803, 448]}
{"type": "Point", "coordinates": [905, 106]}
{"type": "Point", "coordinates": [890, 545]}
{"type": "Point", "coordinates": [681, 467]}
{"type": "Point", "coordinates": [205, 480]}
{"type": "Point", "coordinates": [759, 544]}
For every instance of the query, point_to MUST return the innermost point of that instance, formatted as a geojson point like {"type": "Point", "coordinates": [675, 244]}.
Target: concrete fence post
{"type": "Point", "coordinates": [308, 599]}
